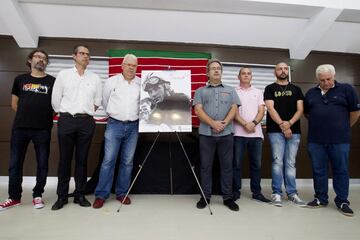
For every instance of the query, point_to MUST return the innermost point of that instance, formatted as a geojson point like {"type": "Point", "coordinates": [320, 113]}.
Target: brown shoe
{"type": "Point", "coordinates": [98, 203]}
{"type": "Point", "coordinates": [124, 200]}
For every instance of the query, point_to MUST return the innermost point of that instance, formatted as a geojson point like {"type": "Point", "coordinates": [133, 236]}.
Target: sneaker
{"type": "Point", "coordinates": [315, 204]}
{"type": "Point", "coordinates": [296, 200]}
{"type": "Point", "coordinates": [276, 200]}
{"type": "Point", "coordinates": [124, 200]}
{"type": "Point", "coordinates": [231, 204]}
{"type": "Point", "coordinates": [9, 203]}
{"type": "Point", "coordinates": [201, 203]}
{"type": "Point", "coordinates": [259, 197]}
{"type": "Point", "coordinates": [98, 203]}
{"type": "Point", "coordinates": [346, 210]}
{"type": "Point", "coordinates": [38, 203]}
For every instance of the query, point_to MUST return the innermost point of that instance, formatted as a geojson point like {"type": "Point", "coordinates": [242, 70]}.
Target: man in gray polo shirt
{"type": "Point", "coordinates": [216, 104]}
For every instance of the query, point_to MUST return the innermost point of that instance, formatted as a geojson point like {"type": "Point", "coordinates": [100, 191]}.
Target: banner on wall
{"type": "Point", "coordinates": [195, 62]}
{"type": "Point", "coordinates": [165, 104]}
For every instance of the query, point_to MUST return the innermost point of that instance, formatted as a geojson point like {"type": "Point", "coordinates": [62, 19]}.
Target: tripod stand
{"type": "Point", "coordinates": [146, 157]}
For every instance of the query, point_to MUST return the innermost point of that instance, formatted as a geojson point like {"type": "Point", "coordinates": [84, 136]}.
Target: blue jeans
{"type": "Point", "coordinates": [20, 139]}
{"type": "Point", "coordinates": [121, 136]}
{"type": "Point", "coordinates": [283, 153]}
{"type": "Point", "coordinates": [338, 155]}
{"type": "Point", "coordinates": [254, 150]}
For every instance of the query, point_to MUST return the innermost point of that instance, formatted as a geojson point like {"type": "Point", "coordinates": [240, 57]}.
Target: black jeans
{"type": "Point", "coordinates": [73, 133]}
{"type": "Point", "coordinates": [20, 139]}
{"type": "Point", "coordinates": [224, 147]}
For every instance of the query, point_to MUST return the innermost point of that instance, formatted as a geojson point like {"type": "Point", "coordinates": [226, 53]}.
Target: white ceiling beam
{"type": "Point", "coordinates": [346, 4]}
{"type": "Point", "coordinates": [18, 24]}
{"type": "Point", "coordinates": [315, 29]}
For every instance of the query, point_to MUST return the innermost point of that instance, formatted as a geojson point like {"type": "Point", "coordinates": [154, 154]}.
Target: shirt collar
{"type": "Point", "coordinates": [208, 84]}
{"type": "Point", "coordinates": [244, 89]}
{"type": "Point", "coordinates": [76, 71]}
{"type": "Point", "coordinates": [322, 92]}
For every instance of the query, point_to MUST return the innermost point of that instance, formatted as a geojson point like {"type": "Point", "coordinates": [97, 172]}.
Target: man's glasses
{"type": "Point", "coordinates": [84, 54]}
{"type": "Point", "coordinates": [44, 58]}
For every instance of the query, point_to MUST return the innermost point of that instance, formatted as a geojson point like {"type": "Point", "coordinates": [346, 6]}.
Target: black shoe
{"type": "Point", "coordinates": [59, 203]}
{"type": "Point", "coordinates": [316, 204]}
{"type": "Point", "coordinates": [82, 201]}
{"type": "Point", "coordinates": [259, 197]}
{"type": "Point", "coordinates": [201, 203]}
{"type": "Point", "coordinates": [231, 205]}
{"type": "Point", "coordinates": [346, 210]}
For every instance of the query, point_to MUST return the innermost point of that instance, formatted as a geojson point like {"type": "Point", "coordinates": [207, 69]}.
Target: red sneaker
{"type": "Point", "coordinates": [98, 203]}
{"type": "Point", "coordinates": [9, 203]}
{"type": "Point", "coordinates": [124, 200]}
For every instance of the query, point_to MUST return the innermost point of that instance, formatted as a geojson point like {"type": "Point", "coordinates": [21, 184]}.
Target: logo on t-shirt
{"type": "Point", "coordinates": [36, 88]}
{"type": "Point", "coordinates": [283, 93]}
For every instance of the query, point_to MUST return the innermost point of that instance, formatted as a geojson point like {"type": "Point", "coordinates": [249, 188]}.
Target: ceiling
{"type": "Point", "coordinates": [300, 26]}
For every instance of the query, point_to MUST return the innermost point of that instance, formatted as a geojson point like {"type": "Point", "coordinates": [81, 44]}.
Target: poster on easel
{"type": "Point", "coordinates": [165, 104]}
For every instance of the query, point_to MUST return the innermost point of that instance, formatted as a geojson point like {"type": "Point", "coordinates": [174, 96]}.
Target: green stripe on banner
{"type": "Point", "coordinates": [157, 53]}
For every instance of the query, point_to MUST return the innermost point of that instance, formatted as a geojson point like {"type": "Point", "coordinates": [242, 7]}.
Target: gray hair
{"type": "Point", "coordinates": [325, 68]}
{"type": "Point", "coordinates": [129, 56]}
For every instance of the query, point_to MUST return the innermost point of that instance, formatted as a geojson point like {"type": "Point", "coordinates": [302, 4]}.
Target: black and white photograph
{"type": "Point", "coordinates": [165, 101]}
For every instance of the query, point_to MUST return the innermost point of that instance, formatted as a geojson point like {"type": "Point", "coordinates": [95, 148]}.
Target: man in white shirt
{"type": "Point", "coordinates": [76, 96]}
{"type": "Point", "coordinates": [121, 100]}
{"type": "Point", "coordinates": [248, 135]}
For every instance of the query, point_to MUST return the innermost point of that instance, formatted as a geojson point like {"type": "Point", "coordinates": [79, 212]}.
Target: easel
{"type": "Point", "coordinates": [146, 157]}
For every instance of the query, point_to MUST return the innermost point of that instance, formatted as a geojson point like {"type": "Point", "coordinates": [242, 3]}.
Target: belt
{"type": "Point", "coordinates": [126, 121]}
{"type": "Point", "coordinates": [76, 115]}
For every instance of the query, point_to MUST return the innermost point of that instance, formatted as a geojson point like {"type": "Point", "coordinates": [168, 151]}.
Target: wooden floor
{"type": "Point", "coordinates": [175, 217]}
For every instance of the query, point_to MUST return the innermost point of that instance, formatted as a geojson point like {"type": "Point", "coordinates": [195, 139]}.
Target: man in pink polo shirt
{"type": "Point", "coordinates": [248, 135]}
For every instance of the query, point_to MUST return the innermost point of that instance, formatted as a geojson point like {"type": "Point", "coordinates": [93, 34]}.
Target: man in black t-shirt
{"type": "Point", "coordinates": [31, 100]}
{"type": "Point", "coordinates": [284, 102]}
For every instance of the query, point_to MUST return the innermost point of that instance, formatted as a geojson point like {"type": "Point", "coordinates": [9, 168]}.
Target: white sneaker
{"type": "Point", "coordinates": [276, 200]}
{"type": "Point", "coordinates": [297, 200]}
{"type": "Point", "coordinates": [38, 203]}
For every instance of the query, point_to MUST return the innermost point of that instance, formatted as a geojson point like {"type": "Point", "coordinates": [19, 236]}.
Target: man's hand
{"type": "Point", "coordinates": [249, 127]}
{"type": "Point", "coordinates": [218, 126]}
{"type": "Point", "coordinates": [288, 133]}
{"type": "Point", "coordinates": [285, 125]}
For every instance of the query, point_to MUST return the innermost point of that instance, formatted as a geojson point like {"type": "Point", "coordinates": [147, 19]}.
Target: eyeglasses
{"type": "Point", "coordinates": [84, 54]}
{"type": "Point", "coordinates": [215, 69]}
{"type": "Point", "coordinates": [44, 58]}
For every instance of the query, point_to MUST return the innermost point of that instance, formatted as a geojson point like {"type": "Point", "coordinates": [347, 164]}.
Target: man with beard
{"type": "Point", "coordinates": [164, 106]}
{"type": "Point", "coordinates": [76, 96]}
{"type": "Point", "coordinates": [284, 102]}
{"type": "Point", "coordinates": [216, 105]}
{"type": "Point", "coordinates": [31, 100]}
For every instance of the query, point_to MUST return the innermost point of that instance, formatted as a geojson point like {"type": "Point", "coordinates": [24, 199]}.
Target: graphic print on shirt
{"type": "Point", "coordinates": [36, 88]}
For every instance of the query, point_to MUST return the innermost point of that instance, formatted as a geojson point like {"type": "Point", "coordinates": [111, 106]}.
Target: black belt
{"type": "Point", "coordinates": [127, 121]}
{"type": "Point", "coordinates": [76, 115]}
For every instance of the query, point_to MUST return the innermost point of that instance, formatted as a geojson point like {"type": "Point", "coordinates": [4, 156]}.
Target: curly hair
{"type": "Point", "coordinates": [31, 55]}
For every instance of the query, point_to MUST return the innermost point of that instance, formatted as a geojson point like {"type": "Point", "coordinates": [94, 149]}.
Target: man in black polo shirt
{"type": "Point", "coordinates": [31, 100]}
{"type": "Point", "coordinates": [332, 108]}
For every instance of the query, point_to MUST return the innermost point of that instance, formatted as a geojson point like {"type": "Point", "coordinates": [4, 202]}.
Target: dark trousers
{"type": "Point", "coordinates": [224, 147]}
{"type": "Point", "coordinates": [253, 146]}
{"type": "Point", "coordinates": [20, 139]}
{"type": "Point", "coordinates": [74, 133]}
